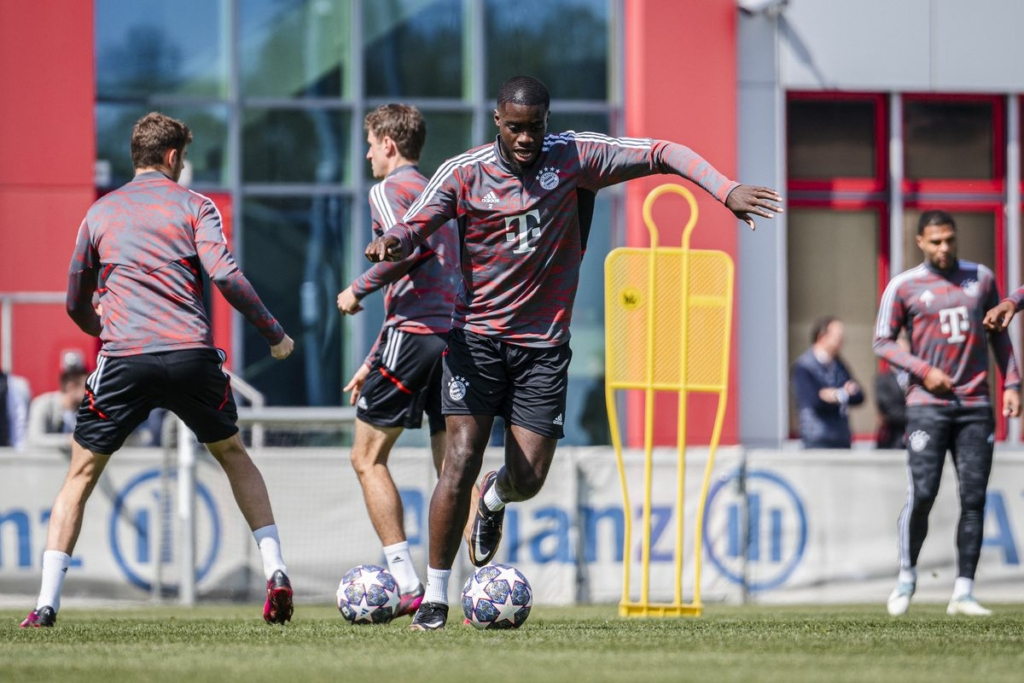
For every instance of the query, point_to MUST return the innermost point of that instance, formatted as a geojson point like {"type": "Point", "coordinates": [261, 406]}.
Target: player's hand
{"type": "Point", "coordinates": [999, 317]}
{"type": "Point", "coordinates": [283, 348]}
{"type": "Point", "coordinates": [747, 201]}
{"type": "Point", "coordinates": [386, 248]}
{"type": "Point", "coordinates": [355, 385]}
{"type": "Point", "coordinates": [1011, 403]}
{"type": "Point", "coordinates": [938, 382]}
{"type": "Point", "coordinates": [851, 388]}
{"type": "Point", "coordinates": [348, 302]}
{"type": "Point", "coordinates": [829, 395]}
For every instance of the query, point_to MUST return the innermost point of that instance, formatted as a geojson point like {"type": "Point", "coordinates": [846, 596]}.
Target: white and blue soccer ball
{"type": "Point", "coordinates": [368, 594]}
{"type": "Point", "coordinates": [497, 596]}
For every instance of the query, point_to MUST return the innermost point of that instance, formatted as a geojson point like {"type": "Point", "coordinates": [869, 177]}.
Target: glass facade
{"type": "Point", "coordinates": [276, 91]}
{"type": "Point", "coordinates": [854, 210]}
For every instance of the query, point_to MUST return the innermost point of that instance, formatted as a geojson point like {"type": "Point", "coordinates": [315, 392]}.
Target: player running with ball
{"type": "Point", "coordinates": [518, 210]}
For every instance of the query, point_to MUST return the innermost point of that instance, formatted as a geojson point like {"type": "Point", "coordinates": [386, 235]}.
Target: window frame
{"type": "Point", "coordinates": [965, 186]}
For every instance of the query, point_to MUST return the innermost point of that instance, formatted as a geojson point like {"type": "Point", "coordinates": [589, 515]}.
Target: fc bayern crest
{"type": "Point", "coordinates": [548, 178]}
{"type": "Point", "coordinates": [971, 287]}
{"type": "Point", "coordinates": [918, 440]}
{"type": "Point", "coordinates": [457, 388]}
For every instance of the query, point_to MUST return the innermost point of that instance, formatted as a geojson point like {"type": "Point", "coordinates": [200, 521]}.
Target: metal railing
{"type": "Point", "coordinates": [7, 303]}
{"type": "Point", "coordinates": [258, 417]}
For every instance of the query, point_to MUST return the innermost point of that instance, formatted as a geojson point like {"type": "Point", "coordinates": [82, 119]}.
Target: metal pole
{"type": "Point", "coordinates": [1013, 236]}
{"type": "Point", "coordinates": [187, 513]}
{"type": "Point", "coordinates": [6, 337]}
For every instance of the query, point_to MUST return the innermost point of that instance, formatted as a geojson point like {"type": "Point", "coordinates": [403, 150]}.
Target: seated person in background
{"type": "Point", "coordinates": [15, 395]}
{"type": "Point", "coordinates": [54, 411]}
{"type": "Point", "coordinates": [824, 389]}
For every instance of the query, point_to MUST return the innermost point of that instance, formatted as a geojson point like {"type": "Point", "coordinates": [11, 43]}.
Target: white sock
{"type": "Point", "coordinates": [962, 587]}
{"type": "Point", "coordinates": [492, 500]}
{"type": "Point", "coordinates": [270, 549]}
{"type": "Point", "coordinates": [401, 567]}
{"type": "Point", "coordinates": [55, 569]}
{"type": "Point", "coordinates": [908, 576]}
{"type": "Point", "coordinates": [437, 585]}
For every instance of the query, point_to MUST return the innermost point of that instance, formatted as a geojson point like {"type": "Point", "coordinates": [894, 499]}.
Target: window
{"type": "Point", "coordinates": [838, 238]}
{"type": "Point", "coordinates": [275, 92]}
{"type": "Point", "coordinates": [953, 143]}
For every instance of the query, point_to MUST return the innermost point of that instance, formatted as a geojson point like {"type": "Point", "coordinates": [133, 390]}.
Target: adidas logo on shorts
{"type": "Point", "coordinates": [558, 420]}
{"type": "Point", "coordinates": [363, 405]}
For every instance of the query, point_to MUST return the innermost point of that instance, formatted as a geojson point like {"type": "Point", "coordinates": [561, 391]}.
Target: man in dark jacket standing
{"type": "Point", "coordinates": [824, 389]}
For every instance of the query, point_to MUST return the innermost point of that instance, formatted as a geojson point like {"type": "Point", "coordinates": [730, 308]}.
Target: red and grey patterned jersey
{"type": "Point", "coordinates": [419, 290]}
{"type": "Point", "coordinates": [943, 313]}
{"type": "Point", "coordinates": [520, 235]}
{"type": "Point", "coordinates": [1017, 297]}
{"type": "Point", "coordinates": [140, 248]}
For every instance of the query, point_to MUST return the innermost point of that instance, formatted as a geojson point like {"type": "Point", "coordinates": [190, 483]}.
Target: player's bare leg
{"type": "Point", "coordinates": [250, 491]}
{"type": "Point", "coordinates": [438, 442]}
{"type": "Point", "coordinates": [449, 506]}
{"type": "Point", "coordinates": [528, 457]}
{"type": "Point", "coordinates": [370, 451]}
{"type": "Point", "coordinates": [62, 534]}
{"type": "Point", "coordinates": [247, 485]}
{"type": "Point", "coordinates": [467, 437]}
{"type": "Point", "coordinates": [69, 507]}
{"type": "Point", "coordinates": [369, 456]}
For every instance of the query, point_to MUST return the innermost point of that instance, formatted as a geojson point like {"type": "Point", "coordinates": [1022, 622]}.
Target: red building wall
{"type": "Point", "coordinates": [47, 148]}
{"type": "Point", "coordinates": [680, 85]}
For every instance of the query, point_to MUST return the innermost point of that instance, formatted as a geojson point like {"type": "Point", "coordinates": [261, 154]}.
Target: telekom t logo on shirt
{"type": "Point", "coordinates": [522, 228]}
{"type": "Point", "coordinates": [953, 321]}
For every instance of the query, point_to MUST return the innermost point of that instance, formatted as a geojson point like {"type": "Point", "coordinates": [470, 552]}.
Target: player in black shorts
{"type": "Point", "coordinates": [522, 228]}
{"type": "Point", "coordinates": [401, 378]}
{"type": "Point", "coordinates": [140, 249]}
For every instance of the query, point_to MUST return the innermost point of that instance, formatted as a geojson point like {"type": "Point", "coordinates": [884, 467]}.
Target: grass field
{"type": "Point", "coordinates": [581, 644]}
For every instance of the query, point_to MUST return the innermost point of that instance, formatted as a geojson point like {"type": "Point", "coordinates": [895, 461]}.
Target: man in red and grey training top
{"type": "Point", "coordinates": [401, 378]}
{"type": "Point", "coordinates": [140, 250]}
{"type": "Point", "coordinates": [518, 211]}
{"type": "Point", "coordinates": [941, 303]}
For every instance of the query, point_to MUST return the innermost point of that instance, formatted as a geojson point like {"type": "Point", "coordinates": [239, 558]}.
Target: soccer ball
{"type": "Point", "coordinates": [497, 596]}
{"type": "Point", "coordinates": [368, 594]}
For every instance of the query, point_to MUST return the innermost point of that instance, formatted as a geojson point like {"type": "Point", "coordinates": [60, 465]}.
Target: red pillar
{"type": "Point", "coordinates": [47, 150]}
{"type": "Point", "coordinates": [680, 85]}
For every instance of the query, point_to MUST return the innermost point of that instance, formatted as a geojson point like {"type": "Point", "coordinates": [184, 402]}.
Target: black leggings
{"type": "Point", "coordinates": [968, 435]}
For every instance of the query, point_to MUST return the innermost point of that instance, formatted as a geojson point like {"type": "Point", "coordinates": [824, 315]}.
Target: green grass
{"type": "Point", "coordinates": [582, 644]}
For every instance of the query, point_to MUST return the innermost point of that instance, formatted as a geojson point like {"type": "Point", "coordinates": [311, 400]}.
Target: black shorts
{"type": "Point", "coordinates": [123, 390]}
{"type": "Point", "coordinates": [523, 384]}
{"type": "Point", "coordinates": [404, 381]}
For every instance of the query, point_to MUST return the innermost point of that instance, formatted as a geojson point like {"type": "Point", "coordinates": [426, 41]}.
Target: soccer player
{"type": "Point", "coordinates": [140, 250]}
{"type": "Point", "coordinates": [518, 210]}
{"type": "Point", "coordinates": [941, 303]}
{"type": "Point", "coordinates": [402, 375]}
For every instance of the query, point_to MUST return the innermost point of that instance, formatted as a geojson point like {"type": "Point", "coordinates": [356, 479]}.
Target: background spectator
{"type": "Point", "coordinates": [54, 412]}
{"type": "Point", "coordinates": [824, 388]}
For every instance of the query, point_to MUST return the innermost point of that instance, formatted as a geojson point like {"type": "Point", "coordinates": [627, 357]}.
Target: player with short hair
{"type": "Point", "coordinates": [140, 249]}
{"type": "Point", "coordinates": [941, 303]}
{"type": "Point", "coordinates": [518, 208]}
{"type": "Point", "coordinates": [401, 378]}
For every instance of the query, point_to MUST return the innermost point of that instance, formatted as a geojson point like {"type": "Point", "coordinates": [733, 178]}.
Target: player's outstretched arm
{"type": "Point", "coordinates": [283, 348]}
{"type": "Point", "coordinates": [999, 317]}
{"type": "Point", "coordinates": [747, 201]}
